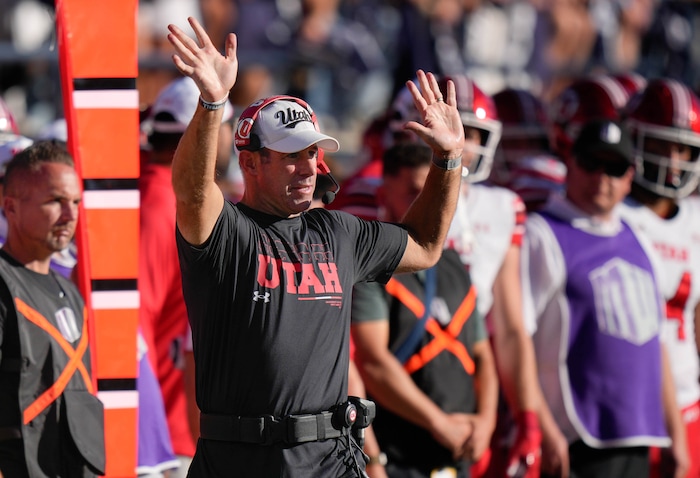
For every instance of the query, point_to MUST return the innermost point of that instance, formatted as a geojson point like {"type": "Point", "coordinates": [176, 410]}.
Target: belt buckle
{"type": "Point", "coordinates": [273, 430]}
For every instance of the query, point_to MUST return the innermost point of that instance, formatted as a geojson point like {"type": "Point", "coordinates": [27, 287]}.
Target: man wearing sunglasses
{"type": "Point", "coordinates": [590, 293]}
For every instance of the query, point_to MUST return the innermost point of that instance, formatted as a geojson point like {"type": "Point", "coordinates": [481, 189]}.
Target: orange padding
{"type": "Point", "coordinates": [120, 442]}
{"type": "Point", "coordinates": [114, 243]}
{"type": "Point", "coordinates": [115, 343]}
{"type": "Point", "coordinates": [106, 151]}
{"type": "Point", "coordinates": [102, 36]}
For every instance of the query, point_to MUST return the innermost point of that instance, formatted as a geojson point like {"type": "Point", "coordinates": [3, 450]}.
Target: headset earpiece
{"type": "Point", "coordinates": [253, 143]}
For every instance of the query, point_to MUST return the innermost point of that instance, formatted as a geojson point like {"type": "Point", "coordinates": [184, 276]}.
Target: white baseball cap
{"type": "Point", "coordinates": [287, 127]}
{"type": "Point", "coordinates": [11, 144]}
{"type": "Point", "coordinates": [179, 98]}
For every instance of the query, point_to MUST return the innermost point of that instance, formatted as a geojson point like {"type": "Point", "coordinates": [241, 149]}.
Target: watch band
{"type": "Point", "coordinates": [446, 163]}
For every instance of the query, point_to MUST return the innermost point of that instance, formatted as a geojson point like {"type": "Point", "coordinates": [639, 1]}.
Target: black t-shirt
{"type": "Point", "coordinates": [269, 304]}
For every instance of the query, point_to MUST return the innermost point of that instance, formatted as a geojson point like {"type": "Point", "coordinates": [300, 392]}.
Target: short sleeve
{"type": "Point", "coordinates": [369, 302]}
{"type": "Point", "coordinates": [479, 326]}
{"type": "Point", "coordinates": [378, 246]}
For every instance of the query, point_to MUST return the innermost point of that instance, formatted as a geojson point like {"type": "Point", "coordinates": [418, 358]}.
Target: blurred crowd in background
{"type": "Point", "coordinates": [543, 69]}
{"type": "Point", "coordinates": [348, 58]}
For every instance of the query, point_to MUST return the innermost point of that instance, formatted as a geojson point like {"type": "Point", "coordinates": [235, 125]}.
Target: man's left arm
{"type": "Point", "coordinates": [674, 421]}
{"type": "Point", "coordinates": [515, 361]}
{"type": "Point", "coordinates": [515, 356]}
{"type": "Point", "coordinates": [430, 215]}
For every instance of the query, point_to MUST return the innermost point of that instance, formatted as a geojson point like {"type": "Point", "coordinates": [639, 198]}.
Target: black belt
{"type": "Point", "coordinates": [266, 430]}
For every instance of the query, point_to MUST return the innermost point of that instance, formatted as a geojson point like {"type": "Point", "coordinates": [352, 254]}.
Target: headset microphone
{"type": "Point", "coordinates": [328, 196]}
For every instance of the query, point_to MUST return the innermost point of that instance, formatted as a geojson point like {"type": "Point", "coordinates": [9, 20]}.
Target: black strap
{"type": "Point", "coordinates": [408, 346]}
{"type": "Point", "coordinates": [266, 430]}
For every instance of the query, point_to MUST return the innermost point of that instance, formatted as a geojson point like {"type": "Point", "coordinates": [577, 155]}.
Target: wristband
{"type": "Point", "coordinates": [212, 106]}
{"type": "Point", "coordinates": [447, 163]}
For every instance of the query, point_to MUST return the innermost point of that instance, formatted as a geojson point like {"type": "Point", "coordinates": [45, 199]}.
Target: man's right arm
{"type": "Point", "coordinates": [538, 283]}
{"type": "Point", "coordinates": [199, 199]}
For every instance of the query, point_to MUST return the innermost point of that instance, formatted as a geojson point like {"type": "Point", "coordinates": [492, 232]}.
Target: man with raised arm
{"type": "Point", "coordinates": [268, 282]}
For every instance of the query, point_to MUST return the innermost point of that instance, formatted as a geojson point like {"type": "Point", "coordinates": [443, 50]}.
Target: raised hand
{"type": "Point", "coordinates": [441, 126]}
{"type": "Point", "coordinates": [214, 73]}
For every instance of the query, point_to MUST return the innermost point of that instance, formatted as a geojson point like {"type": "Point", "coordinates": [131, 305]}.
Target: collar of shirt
{"type": "Point", "coordinates": [560, 207]}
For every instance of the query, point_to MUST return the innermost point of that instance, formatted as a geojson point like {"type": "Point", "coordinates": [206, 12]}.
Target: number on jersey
{"type": "Point", "coordinates": [675, 306]}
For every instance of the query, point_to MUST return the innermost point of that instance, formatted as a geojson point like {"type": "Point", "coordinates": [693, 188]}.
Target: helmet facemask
{"type": "Point", "coordinates": [659, 174]}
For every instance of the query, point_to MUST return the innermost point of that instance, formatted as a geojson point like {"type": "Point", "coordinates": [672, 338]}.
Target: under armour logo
{"type": "Point", "coordinates": [265, 297]}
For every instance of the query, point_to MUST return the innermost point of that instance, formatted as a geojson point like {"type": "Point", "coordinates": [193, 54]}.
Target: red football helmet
{"type": "Point", "coordinates": [632, 82]}
{"type": "Point", "coordinates": [536, 178]}
{"type": "Point", "coordinates": [666, 111]}
{"type": "Point", "coordinates": [586, 99]}
{"type": "Point", "coordinates": [7, 121]}
{"type": "Point", "coordinates": [524, 119]}
{"type": "Point", "coordinates": [477, 111]}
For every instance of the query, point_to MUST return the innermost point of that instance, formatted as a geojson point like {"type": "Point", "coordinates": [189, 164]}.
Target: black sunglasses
{"type": "Point", "coordinates": [614, 168]}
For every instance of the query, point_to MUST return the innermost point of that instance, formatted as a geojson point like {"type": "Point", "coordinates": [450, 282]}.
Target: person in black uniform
{"type": "Point", "coordinates": [51, 423]}
{"type": "Point", "coordinates": [422, 349]}
{"type": "Point", "coordinates": [268, 281]}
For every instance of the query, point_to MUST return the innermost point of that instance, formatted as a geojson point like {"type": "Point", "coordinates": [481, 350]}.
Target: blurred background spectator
{"type": "Point", "coordinates": [349, 57]}
{"type": "Point", "coordinates": [550, 66]}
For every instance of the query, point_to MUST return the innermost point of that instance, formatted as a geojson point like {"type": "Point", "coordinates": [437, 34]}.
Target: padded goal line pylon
{"type": "Point", "coordinates": [98, 60]}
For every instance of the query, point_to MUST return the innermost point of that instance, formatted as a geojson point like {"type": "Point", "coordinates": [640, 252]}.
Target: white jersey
{"type": "Point", "coordinates": [487, 221]}
{"type": "Point", "coordinates": [677, 242]}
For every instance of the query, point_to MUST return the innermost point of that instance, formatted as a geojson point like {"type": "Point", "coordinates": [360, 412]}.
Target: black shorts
{"type": "Point", "coordinates": [587, 462]}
